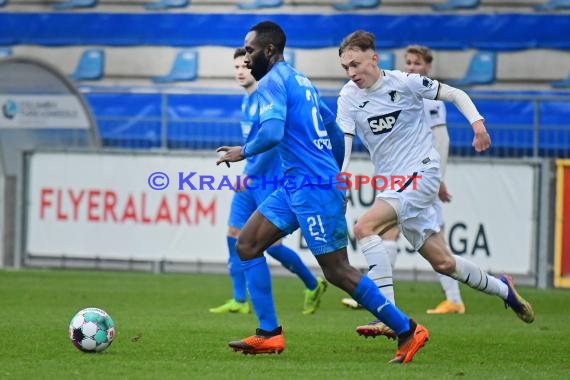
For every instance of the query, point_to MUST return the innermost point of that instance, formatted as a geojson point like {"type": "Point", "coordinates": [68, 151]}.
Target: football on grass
{"type": "Point", "coordinates": [91, 330]}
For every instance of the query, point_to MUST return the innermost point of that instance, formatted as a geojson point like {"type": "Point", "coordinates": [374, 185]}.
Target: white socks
{"type": "Point", "coordinates": [472, 275]}
{"type": "Point", "coordinates": [392, 250]}
{"type": "Point", "coordinates": [379, 266]}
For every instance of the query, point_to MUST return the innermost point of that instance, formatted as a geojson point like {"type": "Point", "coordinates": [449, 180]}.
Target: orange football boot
{"type": "Point", "coordinates": [409, 346]}
{"type": "Point", "coordinates": [447, 307]}
{"type": "Point", "coordinates": [260, 343]}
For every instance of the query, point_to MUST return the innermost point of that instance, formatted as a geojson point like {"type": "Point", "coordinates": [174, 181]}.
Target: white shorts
{"type": "Point", "coordinates": [438, 208]}
{"type": "Point", "coordinates": [416, 215]}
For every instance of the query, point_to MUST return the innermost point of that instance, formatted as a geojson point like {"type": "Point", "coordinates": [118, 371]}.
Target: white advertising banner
{"type": "Point", "coordinates": [42, 111]}
{"type": "Point", "coordinates": [104, 206]}
{"type": "Point", "coordinates": [88, 205]}
{"type": "Point", "coordinates": [489, 220]}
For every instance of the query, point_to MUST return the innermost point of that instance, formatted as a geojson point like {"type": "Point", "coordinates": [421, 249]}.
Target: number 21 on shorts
{"type": "Point", "coordinates": [316, 228]}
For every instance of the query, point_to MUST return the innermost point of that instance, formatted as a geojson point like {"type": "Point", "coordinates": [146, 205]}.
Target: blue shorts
{"type": "Point", "coordinates": [244, 204]}
{"type": "Point", "coordinates": [318, 212]}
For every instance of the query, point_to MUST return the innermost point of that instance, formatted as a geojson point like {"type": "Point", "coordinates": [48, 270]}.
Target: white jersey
{"type": "Point", "coordinates": [389, 120]}
{"type": "Point", "coordinates": [434, 113]}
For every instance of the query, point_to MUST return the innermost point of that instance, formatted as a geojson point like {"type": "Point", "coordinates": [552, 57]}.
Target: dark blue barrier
{"type": "Point", "coordinates": [128, 120]}
{"type": "Point", "coordinates": [203, 121]}
{"type": "Point", "coordinates": [208, 121]}
{"type": "Point", "coordinates": [482, 31]}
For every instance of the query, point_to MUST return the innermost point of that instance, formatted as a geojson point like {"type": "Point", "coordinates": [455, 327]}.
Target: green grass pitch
{"type": "Point", "coordinates": [164, 331]}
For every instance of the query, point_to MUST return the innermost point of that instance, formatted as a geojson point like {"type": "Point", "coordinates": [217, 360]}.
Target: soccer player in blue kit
{"type": "Point", "coordinates": [294, 119]}
{"type": "Point", "coordinates": [264, 166]}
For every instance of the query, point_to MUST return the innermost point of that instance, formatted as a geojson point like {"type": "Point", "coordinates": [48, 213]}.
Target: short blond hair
{"type": "Point", "coordinates": [422, 51]}
{"type": "Point", "coordinates": [360, 39]}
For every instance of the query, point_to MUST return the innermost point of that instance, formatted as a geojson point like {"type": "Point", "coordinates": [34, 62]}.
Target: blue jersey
{"type": "Point", "coordinates": [288, 95]}
{"type": "Point", "coordinates": [267, 164]}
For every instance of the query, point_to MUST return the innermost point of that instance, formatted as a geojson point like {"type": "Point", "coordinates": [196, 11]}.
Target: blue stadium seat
{"type": "Point", "coordinates": [69, 4]}
{"type": "Point", "coordinates": [289, 56]}
{"type": "Point", "coordinates": [256, 4]}
{"type": "Point", "coordinates": [165, 4]}
{"type": "Point", "coordinates": [357, 4]}
{"type": "Point", "coordinates": [386, 60]}
{"type": "Point", "coordinates": [456, 4]}
{"type": "Point", "coordinates": [5, 52]}
{"type": "Point", "coordinates": [553, 5]}
{"type": "Point", "coordinates": [565, 83]}
{"type": "Point", "coordinates": [481, 70]}
{"type": "Point", "coordinates": [91, 65]}
{"type": "Point", "coordinates": [184, 68]}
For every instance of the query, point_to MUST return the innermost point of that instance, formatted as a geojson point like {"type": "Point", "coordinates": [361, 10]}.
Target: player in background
{"type": "Point", "coordinates": [418, 59]}
{"type": "Point", "coordinates": [294, 119]}
{"type": "Point", "coordinates": [386, 108]}
{"type": "Point", "coordinates": [244, 202]}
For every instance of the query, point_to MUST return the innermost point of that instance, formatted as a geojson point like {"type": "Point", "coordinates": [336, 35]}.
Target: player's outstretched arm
{"type": "Point", "coordinates": [481, 140]}
{"type": "Point", "coordinates": [269, 135]}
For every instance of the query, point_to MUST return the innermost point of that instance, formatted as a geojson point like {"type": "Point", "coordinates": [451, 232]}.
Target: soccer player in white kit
{"type": "Point", "coordinates": [418, 59]}
{"type": "Point", "coordinates": [386, 108]}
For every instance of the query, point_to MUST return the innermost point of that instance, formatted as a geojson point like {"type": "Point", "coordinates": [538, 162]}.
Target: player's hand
{"type": "Point", "coordinates": [444, 195]}
{"type": "Point", "coordinates": [231, 154]}
{"type": "Point", "coordinates": [482, 140]}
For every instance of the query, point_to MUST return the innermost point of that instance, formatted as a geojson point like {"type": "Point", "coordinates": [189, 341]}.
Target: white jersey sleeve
{"type": "Point", "coordinates": [344, 114]}
{"type": "Point", "coordinates": [423, 87]}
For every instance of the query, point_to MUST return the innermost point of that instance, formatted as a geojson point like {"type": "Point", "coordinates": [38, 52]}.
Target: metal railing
{"type": "Point", "coordinates": [542, 129]}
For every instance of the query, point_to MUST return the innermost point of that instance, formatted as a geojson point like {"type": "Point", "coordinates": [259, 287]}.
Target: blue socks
{"type": "Point", "coordinates": [290, 260]}
{"type": "Point", "coordinates": [236, 271]}
{"type": "Point", "coordinates": [259, 285]}
{"type": "Point", "coordinates": [368, 295]}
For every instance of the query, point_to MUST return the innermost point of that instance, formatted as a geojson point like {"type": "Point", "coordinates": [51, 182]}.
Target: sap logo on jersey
{"type": "Point", "coordinates": [384, 123]}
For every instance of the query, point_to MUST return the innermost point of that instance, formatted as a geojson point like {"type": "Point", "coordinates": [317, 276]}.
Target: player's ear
{"type": "Point", "coordinates": [375, 59]}
{"type": "Point", "coordinates": [270, 50]}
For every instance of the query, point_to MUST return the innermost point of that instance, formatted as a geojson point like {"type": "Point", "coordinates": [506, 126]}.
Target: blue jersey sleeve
{"type": "Point", "coordinates": [335, 133]}
{"type": "Point", "coordinates": [269, 135]}
{"type": "Point", "coordinates": [272, 98]}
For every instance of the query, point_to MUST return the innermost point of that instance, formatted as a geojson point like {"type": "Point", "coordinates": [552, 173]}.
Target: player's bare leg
{"type": "Point", "coordinates": [443, 261]}
{"type": "Point", "coordinates": [453, 304]}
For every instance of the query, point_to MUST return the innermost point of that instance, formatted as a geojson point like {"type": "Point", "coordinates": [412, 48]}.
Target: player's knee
{"type": "Point", "coordinates": [361, 231]}
{"type": "Point", "coordinates": [246, 249]}
{"type": "Point", "coordinates": [445, 265]}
